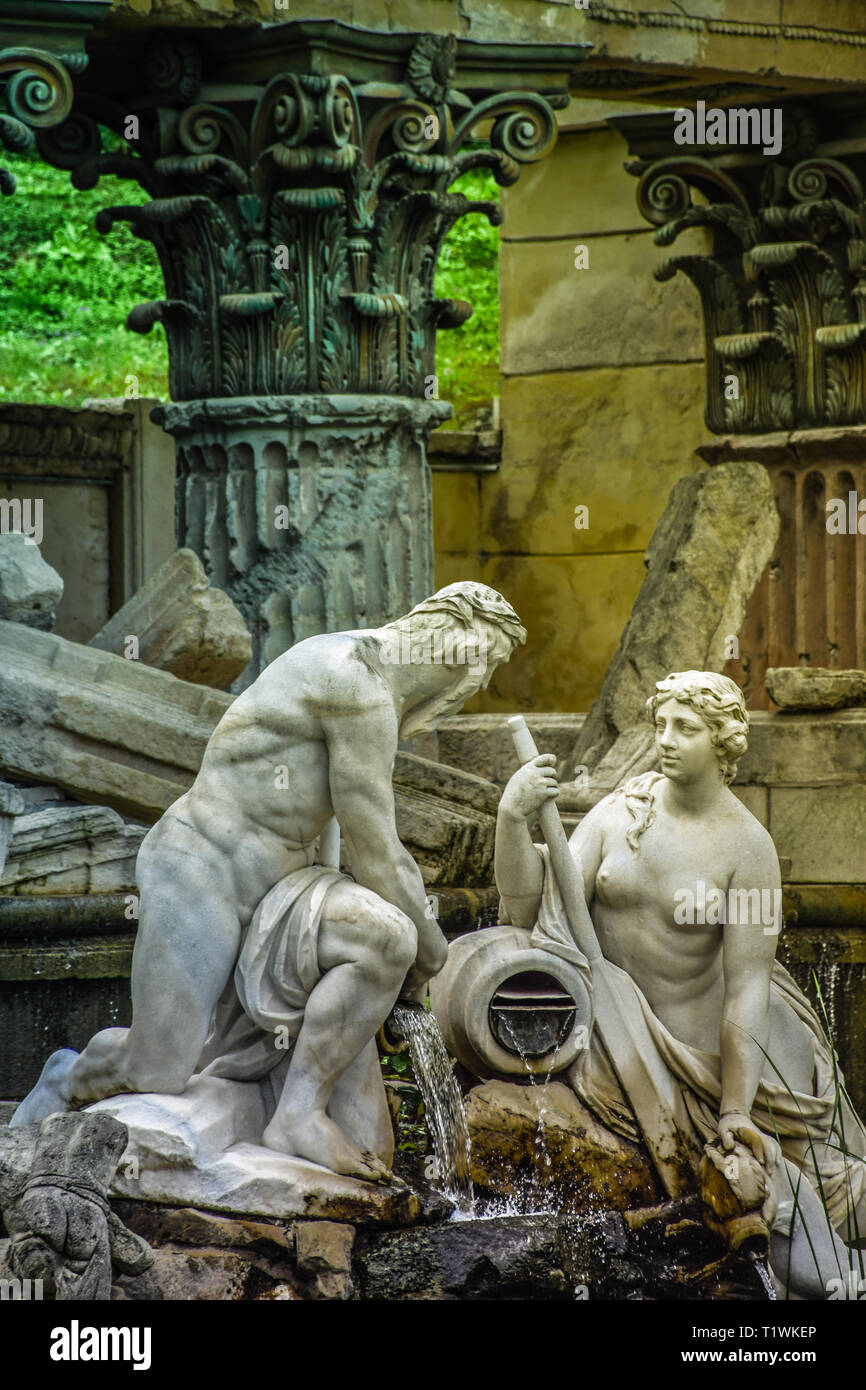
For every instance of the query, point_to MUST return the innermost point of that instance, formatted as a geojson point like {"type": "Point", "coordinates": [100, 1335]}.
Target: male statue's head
{"type": "Point", "coordinates": [711, 711]}
{"type": "Point", "coordinates": [465, 630]}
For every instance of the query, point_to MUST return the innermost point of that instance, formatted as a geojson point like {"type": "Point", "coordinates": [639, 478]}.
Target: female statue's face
{"type": "Point", "coordinates": [683, 742]}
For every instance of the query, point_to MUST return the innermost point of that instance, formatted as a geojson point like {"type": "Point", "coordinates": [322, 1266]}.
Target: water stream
{"type": "Point", "coordinates": [443, 1103]}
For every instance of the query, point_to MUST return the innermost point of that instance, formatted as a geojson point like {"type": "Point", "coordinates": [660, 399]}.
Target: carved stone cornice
{"type": "Point", "coordinates": [783, 289]}
{"type": "Point", "coordinates": [299, 184]}
{"type": "Point", "coordinates": [604, 13]}
{"type": "Point", "coordinates": [54, 442]}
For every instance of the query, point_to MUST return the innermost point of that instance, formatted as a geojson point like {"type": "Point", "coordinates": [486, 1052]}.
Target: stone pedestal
{"type": "Point", "coordinates": [313, 511]}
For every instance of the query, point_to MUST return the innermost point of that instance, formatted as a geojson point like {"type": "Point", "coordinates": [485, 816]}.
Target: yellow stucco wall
{"type": "Point", "coordinates": [601, 403]}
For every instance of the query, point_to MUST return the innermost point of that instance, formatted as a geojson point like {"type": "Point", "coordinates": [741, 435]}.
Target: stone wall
{"type": "Point", "coordinates": [601, 406]}
{"type": "Point", "coordinates": [101, 481]}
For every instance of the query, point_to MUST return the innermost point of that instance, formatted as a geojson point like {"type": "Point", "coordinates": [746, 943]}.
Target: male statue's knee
{"type": "Point", "coordinates": [399, 940]}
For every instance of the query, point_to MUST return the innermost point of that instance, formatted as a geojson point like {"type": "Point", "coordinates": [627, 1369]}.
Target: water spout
{"type": "Point", "coordinates": [443, 1103]}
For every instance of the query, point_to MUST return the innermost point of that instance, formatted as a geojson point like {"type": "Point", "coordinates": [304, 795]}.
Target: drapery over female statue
{"type": "Point", "coordinates": [678, 878]}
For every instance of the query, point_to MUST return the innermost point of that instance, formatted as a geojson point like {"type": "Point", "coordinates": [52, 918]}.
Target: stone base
{"type": "Point", "coordinates": [201, 1149]}
{"type": "Point", "coordinates": [539, 1144]}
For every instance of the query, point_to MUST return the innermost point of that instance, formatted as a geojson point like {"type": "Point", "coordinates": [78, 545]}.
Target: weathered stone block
{"type": "Point", "coordinates": [804, 749]}
{"type": "Point", "coordinates": [821, 830]}
{"type": "Point", "coordinates": [30, 589]}
{"type": "Point", "coordinates": [601, 194]}
{"type": "Point", "coordinates": [706, 556]}
{"type": "Point", "coordinates": [812, 687]}
{"type": "Point", "coordinates": [614, 441]}
{"type": "Point", "coordinates": [109, 730]}
{"type": "Point", "coordinates": [324, 1253]}
{"type": "Point", "coordinates": [182, 625]}
{"type": "Point", "coordinates": [556, 317]}
{"type": "Point", "coordinates": [573, 608]}
{"type": "Point", "coordinates": [71, 849]}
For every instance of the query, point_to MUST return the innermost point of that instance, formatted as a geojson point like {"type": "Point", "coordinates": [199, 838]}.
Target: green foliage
{"type": "Point", "coordinates": [65, 291]}
{"type": "Point", "coordinates": [467, 358]}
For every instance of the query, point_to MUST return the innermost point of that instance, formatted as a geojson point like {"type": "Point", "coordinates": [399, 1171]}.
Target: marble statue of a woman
{"type": "Point", "coordinates": [682, 884]}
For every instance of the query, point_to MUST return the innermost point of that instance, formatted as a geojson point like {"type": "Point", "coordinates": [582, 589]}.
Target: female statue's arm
{"type": "Point", "coordinates": [518, 867]}
{"type": "Point", "coordinates": [749, 951]}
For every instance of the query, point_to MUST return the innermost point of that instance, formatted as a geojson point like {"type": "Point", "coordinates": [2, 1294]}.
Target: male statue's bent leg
{"type": "Point", "coordinates": [366, 947]}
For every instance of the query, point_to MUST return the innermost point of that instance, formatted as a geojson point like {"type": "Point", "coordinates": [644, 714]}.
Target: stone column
{"type": "Point", "coordinates": [298, 185]}
{"type": "Point", "coordinates": [313, 512]}
{"type": "Point", "coordinates": [809, 608]}
{"type": "Point", "coordinates": [783, 293]}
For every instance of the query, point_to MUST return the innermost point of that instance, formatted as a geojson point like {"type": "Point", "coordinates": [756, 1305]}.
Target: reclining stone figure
{"type": "Point", "coordinates": [229, 872]}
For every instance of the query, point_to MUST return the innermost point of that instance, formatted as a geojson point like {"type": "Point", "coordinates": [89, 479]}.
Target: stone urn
{"type": "Point", "coordinates": [507, 1008]}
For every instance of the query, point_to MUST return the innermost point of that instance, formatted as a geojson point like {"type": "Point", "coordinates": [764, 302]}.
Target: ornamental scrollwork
{"type": "Point", "coordinates": [783, 287]}
{"type": "Point", "coordinates": [298, 228]}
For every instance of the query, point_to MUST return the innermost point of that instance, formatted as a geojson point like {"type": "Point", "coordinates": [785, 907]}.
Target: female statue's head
{"type": "Point", "coordinates": [719, 703]}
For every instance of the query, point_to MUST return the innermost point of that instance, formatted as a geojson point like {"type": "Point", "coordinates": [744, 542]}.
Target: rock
{"type": "Point", "coordinates": [543, 1256]}
{"type": "Point", "coordinates": [71, 849]}
{"type": "Point", "coordinates": [11, 805]}
{"type": "Point", "coordinates": [53, 1185]}
{"type": "Point", "coordinates": [815, 687]}
{"type": "Point", "coordinates": [202, 1149]}
{"type": "Point", "coordinates": [111, 731]}
{"type": "Point", "coordinates": [30, 588]}
{"type": "Point", "coordinates": [191, 1129]}
{"type": "Point", "coordinates": [182, 625]}
{"type": "Point", "coordinates": [514, 1129]}
{"type": "Point", "coordinates": [446, 818]}
{"type": "Point", "coordinates": [324, 1252]}
{"type": "Point", "coordinates": [186, 1226]}
{"type": "Point", "coordinates": [212, 1275]}
{"type": "Point", "coordinates": [706, 555]}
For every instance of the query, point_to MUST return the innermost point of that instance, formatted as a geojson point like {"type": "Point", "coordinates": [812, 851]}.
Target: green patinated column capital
{"type": "Point", "coordinates": [299, 183]}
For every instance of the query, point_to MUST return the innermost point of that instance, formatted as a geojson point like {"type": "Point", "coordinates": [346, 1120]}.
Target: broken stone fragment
{"type": "Point", "coordinates": [30, 589]}
{"type": "Point", "coordinates": [110, 731]}
{"type": "Point", "coordinates": [71, 849]}
{"type": "Point", "coordinates": [11, 805]}
{"type": "Point", "coordinates": [178, 623]}
{"type": "Point", "coordinates": [54, 1180]}
{"type": "Point", "coordinates": [815, 687]}
{"type": "Point", "coordinates": [705, 557]}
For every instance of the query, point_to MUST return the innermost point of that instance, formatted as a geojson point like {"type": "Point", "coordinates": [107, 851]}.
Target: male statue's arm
{"type": "Point", "coordinates": [361, 762]}
{"type": "Point", "coordinates": [749, 952]}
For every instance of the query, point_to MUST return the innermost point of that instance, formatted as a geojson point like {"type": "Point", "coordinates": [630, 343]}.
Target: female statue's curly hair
{"type": "Point", "coordinates": [719, 702]}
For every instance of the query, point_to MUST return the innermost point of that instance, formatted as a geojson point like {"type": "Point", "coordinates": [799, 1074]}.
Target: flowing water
{"type": "Point", "coordinates": [531, 1195]}
{"type": "Point", "coordinates": [764, 1275]}
{"type": "Point", "coordinates": [443, 1103]}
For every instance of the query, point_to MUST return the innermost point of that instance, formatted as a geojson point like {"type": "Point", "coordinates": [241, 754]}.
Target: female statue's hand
{"type": "Point", "coordinates": [736, 1125]}
{"type": "Point", "coordinates": [529, 788]}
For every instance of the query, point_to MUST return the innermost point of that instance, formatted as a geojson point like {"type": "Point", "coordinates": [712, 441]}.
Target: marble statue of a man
{"type": "Point", "coordinates": [227, 879]}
